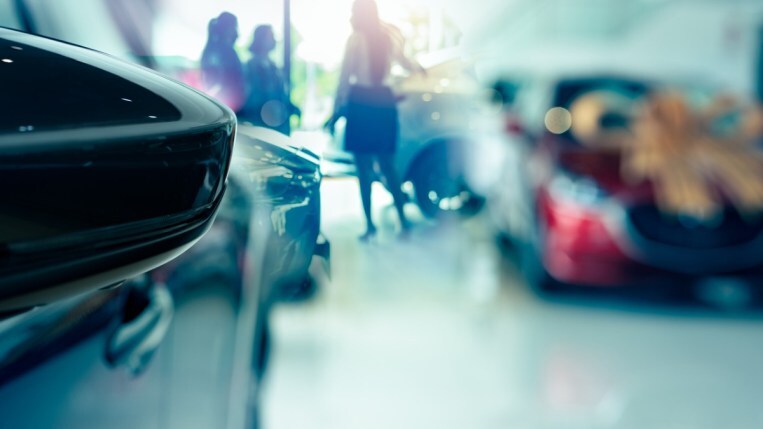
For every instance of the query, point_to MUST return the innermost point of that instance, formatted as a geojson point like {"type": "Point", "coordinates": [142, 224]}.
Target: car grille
{"type": "Point", "coordinates": [731, 230]}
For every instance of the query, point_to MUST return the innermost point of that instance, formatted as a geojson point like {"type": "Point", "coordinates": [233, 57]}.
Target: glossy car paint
{"type": "Point", "coordinates": [110, 359]}
{"type": "Point", "coordinates": [286, 181]}
{"type": "Point", "coordinates": [221, 292]}
{"type": "Point", "coordinates": [132, 168]}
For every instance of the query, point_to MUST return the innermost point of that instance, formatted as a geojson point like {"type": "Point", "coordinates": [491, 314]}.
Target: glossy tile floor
{"type": "Point", "coordinates": [440, 332]}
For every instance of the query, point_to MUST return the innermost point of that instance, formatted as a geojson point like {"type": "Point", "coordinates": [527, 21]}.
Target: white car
{"type": "Point", "coordinates": [438, 116]}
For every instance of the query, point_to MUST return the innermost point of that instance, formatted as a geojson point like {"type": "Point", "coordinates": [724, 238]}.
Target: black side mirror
{"type": "Point", "coordinates": [107, 170]}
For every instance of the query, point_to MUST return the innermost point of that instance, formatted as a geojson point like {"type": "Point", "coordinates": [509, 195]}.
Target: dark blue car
{"type": "Point", "coordinates": [141, 249]}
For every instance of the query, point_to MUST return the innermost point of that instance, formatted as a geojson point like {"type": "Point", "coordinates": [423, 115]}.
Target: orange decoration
{"type": "Point", "coordinates": [690, 162]}
{"type": "Point", "coordinates": [696, 159]}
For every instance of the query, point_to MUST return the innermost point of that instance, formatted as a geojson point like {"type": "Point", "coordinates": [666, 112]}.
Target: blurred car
{"type": "Point", "coordinates": [437, 115]}
{"type": "Point", "coordinates": [576, 220]}
{"type": "Point", "coordinates": [185, 344]}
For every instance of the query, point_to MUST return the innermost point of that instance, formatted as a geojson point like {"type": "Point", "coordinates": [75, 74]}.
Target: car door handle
{"type": "Point", "coordinates": [146, 319]}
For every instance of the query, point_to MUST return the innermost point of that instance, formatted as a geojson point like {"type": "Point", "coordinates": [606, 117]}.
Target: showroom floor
{"type": "Point", "coordinates": [439, 332]}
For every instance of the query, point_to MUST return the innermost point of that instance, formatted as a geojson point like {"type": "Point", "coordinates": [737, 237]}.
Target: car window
{"type": "Point", "coordinates": [88, 23]}
{"type": "Point", "coordinates": [8, 15]}
{"type": "Point", "coordinates": [506, 90]}
{"type": "Point", "coordinates": [570, 90]}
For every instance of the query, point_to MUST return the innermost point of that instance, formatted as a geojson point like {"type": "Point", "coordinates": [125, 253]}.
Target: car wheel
{"type": "Point", "coordinates": [440, 186]}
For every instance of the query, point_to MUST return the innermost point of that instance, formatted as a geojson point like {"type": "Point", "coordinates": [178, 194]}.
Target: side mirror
{"type": "Point", "coordinates": [107, 170]}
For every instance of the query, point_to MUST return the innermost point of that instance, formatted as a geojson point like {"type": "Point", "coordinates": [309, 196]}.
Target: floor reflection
{"type": "Point", "coordinates": [440, 332]}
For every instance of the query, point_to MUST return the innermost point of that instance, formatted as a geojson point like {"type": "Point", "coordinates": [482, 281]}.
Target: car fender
{"type": "Point", "coordinates": [406, 160]}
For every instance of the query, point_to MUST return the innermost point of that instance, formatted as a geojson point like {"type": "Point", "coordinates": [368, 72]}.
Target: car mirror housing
{"type": "Point", "coordinates": [107, 169]}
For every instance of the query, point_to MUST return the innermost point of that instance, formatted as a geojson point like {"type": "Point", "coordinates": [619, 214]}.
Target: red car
{"type": "Point", "coordinates": [576, 220]}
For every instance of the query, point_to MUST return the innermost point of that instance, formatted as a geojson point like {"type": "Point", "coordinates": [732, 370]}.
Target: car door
{"type": "Point", "coordinates": [219, 307]}
{"type": "Point", "coordinates": [109, 171]}
{"type": "Point", "coordinates": [54, 370]}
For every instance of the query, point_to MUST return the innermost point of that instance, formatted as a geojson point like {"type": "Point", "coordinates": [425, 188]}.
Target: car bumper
{"type": "Point", "coordinates": [594, 246]}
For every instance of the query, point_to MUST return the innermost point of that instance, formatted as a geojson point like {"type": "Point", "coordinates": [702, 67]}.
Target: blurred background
{"type": "Point", "coordinates": [572, 297]}
{"type": "Point", "coordinates": [585, 184]}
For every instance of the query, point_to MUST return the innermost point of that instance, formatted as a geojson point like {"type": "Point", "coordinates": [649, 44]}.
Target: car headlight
{"type": "Point", "coordinates": [577, 189]}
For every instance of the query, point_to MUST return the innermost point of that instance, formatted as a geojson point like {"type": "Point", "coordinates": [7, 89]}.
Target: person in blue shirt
{"type": "Point", "coordinates": [221, 70]}
{"type": "Point", "coordinates": [267, 103]}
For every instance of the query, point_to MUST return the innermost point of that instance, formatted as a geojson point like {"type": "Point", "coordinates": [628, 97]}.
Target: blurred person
{"type": "Point", "coordinates": [222, 74]}
{"type": "Point", "coordinates": [367, 102]}
{"type": "Point", "coordinates": [268, 102]}
{"type": "Point", "coordinates": [759, 67]}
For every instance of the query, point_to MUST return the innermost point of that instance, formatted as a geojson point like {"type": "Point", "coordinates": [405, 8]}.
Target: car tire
{"type": "Point", "coordinates": [440, 187]}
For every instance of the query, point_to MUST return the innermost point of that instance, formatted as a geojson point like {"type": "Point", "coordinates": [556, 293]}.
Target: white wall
{"type": "Point", "coordinates": [714, 40]}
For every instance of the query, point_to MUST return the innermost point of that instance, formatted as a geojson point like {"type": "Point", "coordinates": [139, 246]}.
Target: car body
{"type": "Point", "coordinates": [437, 116]}
{"type": "Point", "coordinates": [184, 344]}
{"type": "Point", "coordinates": [577, 221]}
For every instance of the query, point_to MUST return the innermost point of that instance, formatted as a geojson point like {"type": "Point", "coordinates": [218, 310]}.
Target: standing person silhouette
{"type": "Point", "coordinates": [221, 72]}
{"type": "Point", "coordinates": [759, 66]}
{"type": "Point", "coordinates": [369, 105]}
{"type": "Point", "coordinates": [267, 102]}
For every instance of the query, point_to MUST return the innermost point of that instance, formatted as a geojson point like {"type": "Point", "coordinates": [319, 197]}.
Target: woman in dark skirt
{"type": "Point", "coordinates": [369, 104]}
